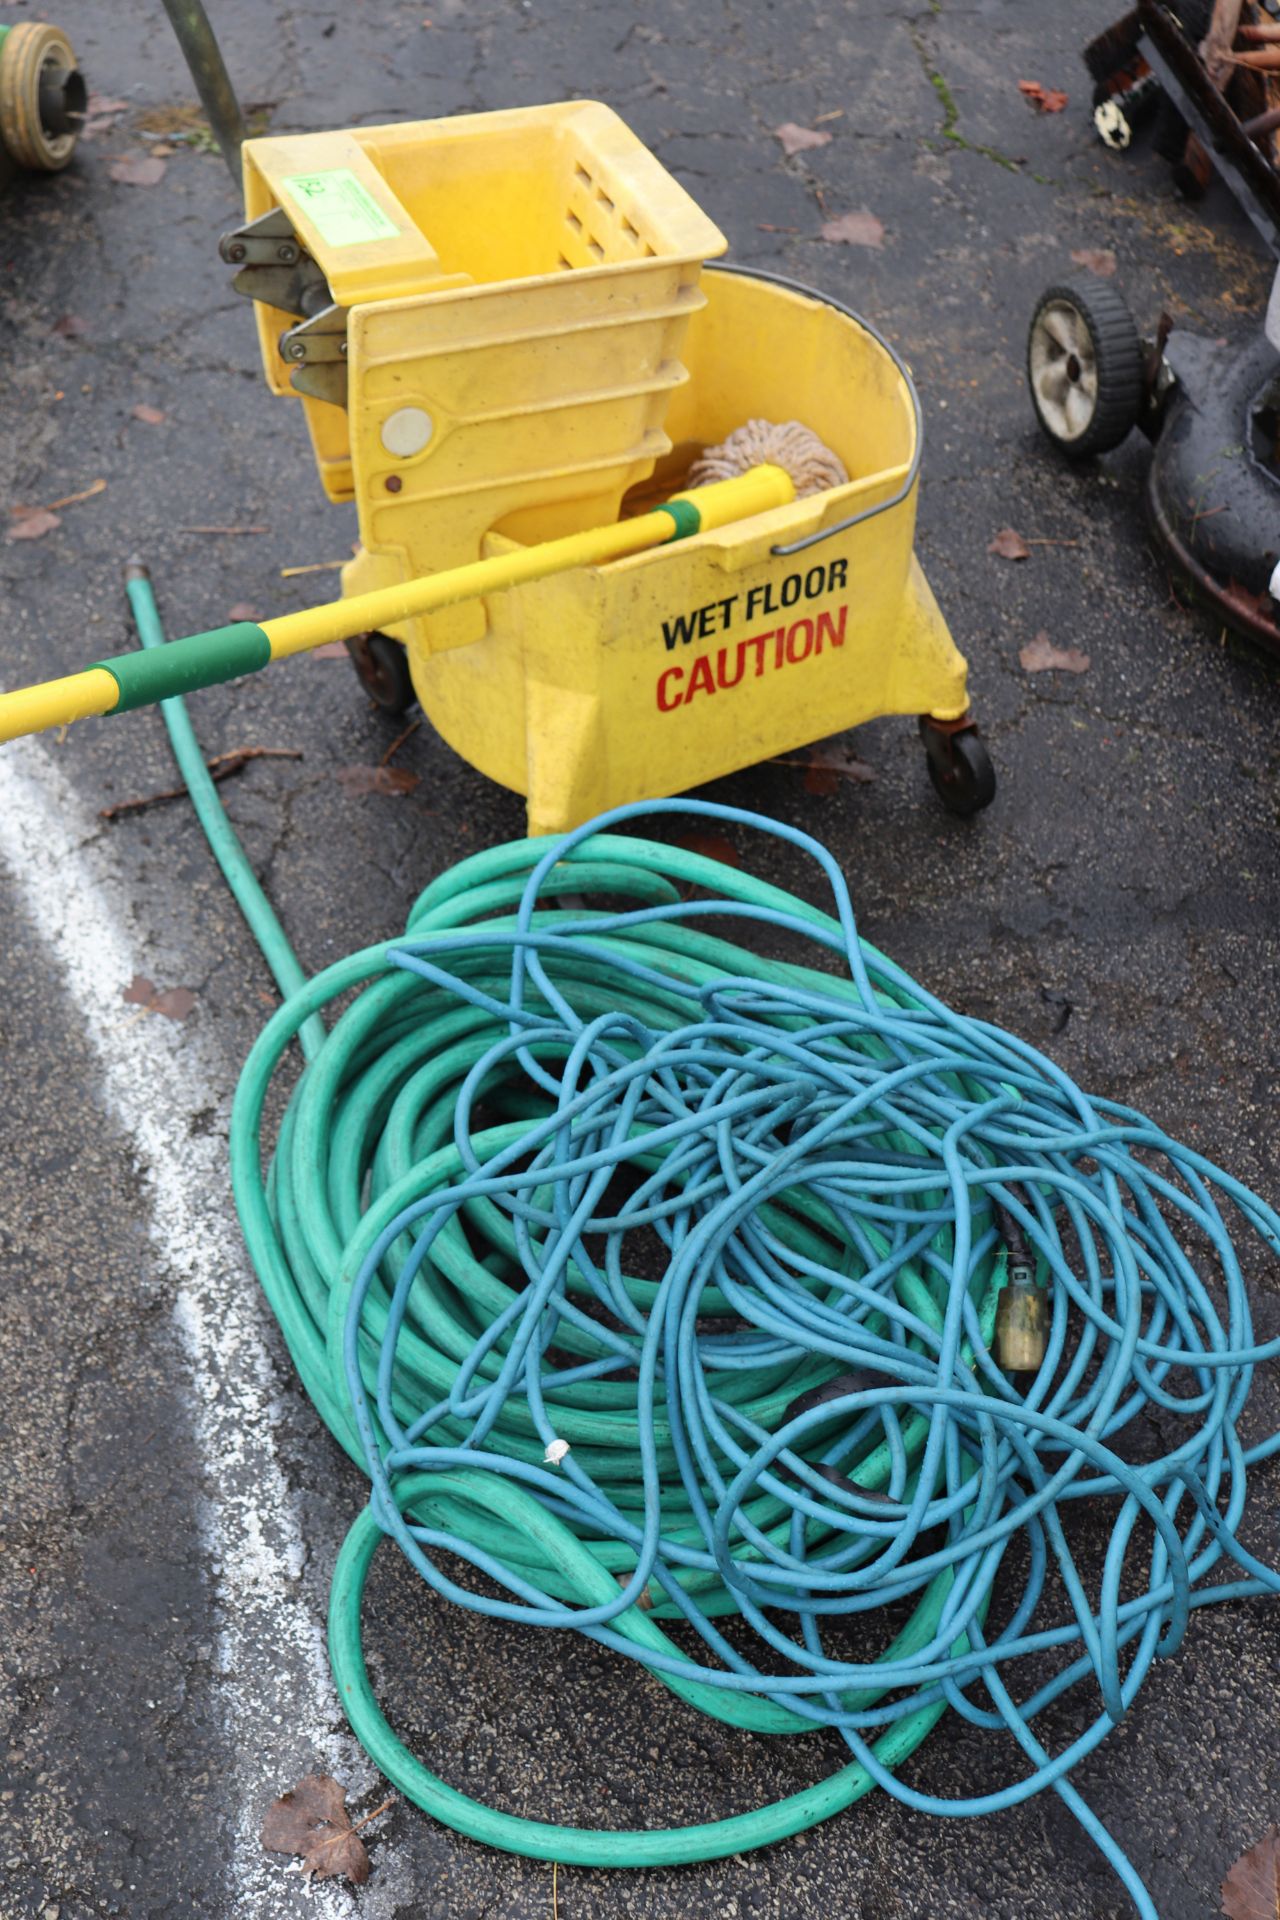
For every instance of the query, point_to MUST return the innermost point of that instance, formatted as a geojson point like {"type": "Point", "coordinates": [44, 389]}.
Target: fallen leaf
{"type": "Point", "coordinates": [1251, 1891]}
{"type": "Point", "coordinates": [331, 650]}
{"type": "Point", "coordinates": [33, 525]}
{"type": "Point", "coordinates": [70, 327]}
{"type": "Point", "coordinates": [825, 767]}
{"type": "Point", "coordinates": [222, 767]}
{"type": "Point", "coordinates": [855, 230]}
{"type": "Point", "coordinates": [712, 846]}
{"type": "Point", "coordinates": [167, 121]}
{"type": "Point", "coordinates": [138, 170]}
{"type": "Point", "coordinates": [312, 1821]}
{"type": "Point", "coordinates": [357, 780]}
{"type": "Point", "coordinates": [72, 499]}
{"type": "Point", "coordinates": [30, 523]}
{"type": "Point", "coordinates": [1099, 260]}
{"type": "Point", "coordinates": [175, 1003]}
{"type": "Point", "coordinates": [1044, 99]}
{"type": "Point", "coordinates": [1008, 545]}
{"type": "Point", "coordinates": [399, 741]}
{"type": "Point", "coordinates": [153, 416]}
{"type": "Point", "coordinates": [1253, 606]}
{"type": "Point", "coordinates": [100, 115]}
{"type": "Point", "coordinates": [796, 139]}
{"type": "Point", "coordinates": [161, 150]}
{"type": "Point", "coordinates": [835, 764]}
{"type": "Point", "coordinates": [1041, 656]}
{"type": "Point", "coordinates": [242, 610]}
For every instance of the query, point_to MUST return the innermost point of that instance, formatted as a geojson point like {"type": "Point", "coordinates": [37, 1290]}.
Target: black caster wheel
{"type": "Point", "coordinates": [960, 769]}
{"type": "Point", "coordinates": [1084, 368]}
{"type": "Point", "coordinates": [382, 668]}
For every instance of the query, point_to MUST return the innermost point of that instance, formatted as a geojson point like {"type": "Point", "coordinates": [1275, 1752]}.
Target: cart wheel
{"type": "Point", "coordinates": [42, 96]}
{"type": "Point", "coordinates": [382, 668]}
{"type": "Point", "coordinates": [1112, 126]}
{"type": "Point", "coordinates": [1084, 368]}
{"type": "Point", "coordinates": [959, 767]}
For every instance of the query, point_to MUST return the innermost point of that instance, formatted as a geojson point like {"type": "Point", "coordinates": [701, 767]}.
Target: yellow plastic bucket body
{"type": "Point", "coordinates": [655, 673]}
{"type": "Point", "coordinates": [520, 282]}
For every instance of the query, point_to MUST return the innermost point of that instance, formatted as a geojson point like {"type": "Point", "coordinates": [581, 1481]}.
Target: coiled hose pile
{"type": "Point", "coordinates": [655, 1279]}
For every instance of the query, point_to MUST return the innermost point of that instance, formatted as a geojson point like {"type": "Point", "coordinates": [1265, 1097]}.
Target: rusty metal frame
{"type": "Point", "coordinates": [1181, 72]}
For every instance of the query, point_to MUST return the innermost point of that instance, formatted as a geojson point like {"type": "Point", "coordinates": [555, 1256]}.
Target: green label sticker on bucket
{"type": "Point", "coordinates": [343, 211]}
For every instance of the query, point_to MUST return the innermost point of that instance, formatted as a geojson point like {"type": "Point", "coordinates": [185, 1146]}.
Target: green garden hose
{"type": "Point", "coordinates": [655, 1281]}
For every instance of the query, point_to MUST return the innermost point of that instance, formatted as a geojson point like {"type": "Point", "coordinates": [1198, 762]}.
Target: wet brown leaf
{"type": "Point", "coordinates": [796, 139]}
{"type": "Point", "coordinates": [712, 846]}
{"type": "Point", "coordinates": [222, 766]}
{"type": "Point", "coordinates": [152, 416]}
{"type": "Point", "coordinates": [70, 327]}
{"type": "Point", "coordinates": [825, 766]}
{"type": "Point", "coordinates": [833, 764]}
{"type": "Point", "coordinates": [1251, 1891]}
{"type": "Point", "coordinates": [1041, 656]}
{"type": "Point", "coordinates": [32, 524]}
{"type": "Point", "coordinates": [138, 170]}
{"type": "Point", "coordinates": [101, 114]}
{"type": "Point", "coordinates": [175, 1003]}
{"type": "Point", "coordinates": [242, 610]}
{"type": "Point", "coordinates": [1043, 99]}
{"type": "Point", "coordinates": [1099, 260]}
{"type": "Point", "coordinates": [331, 650]}
{"type": "Point", "coordinates": [1008, 545]}
{"type": "Point", "coordinates": [855, 230]}
{"type": "Point", "coordinates": [357, 780]}
{"type": "Point", "coordinates": [90, 492]}
{"type": "Point", "coordinates": [312, 1821]}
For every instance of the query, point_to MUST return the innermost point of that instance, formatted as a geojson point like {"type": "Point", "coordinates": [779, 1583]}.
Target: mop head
{"type": "Point", "coordinates": [797, 449]}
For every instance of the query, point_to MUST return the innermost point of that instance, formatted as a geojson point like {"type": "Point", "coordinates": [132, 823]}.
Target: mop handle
{"type": "Point", "coordinates": [203, 659]}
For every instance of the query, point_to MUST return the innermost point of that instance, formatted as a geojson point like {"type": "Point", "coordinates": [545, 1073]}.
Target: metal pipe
{"type": "Point", "coordinates": [201, 52]}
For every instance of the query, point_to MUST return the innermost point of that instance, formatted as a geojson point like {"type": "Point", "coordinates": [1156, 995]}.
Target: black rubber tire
{"type": "Point", "coordinates": [961, 771]}
{"type": "Point", "coordinates": [382, 668]}
{"type": "Point", "coordinates": [1118, 358]}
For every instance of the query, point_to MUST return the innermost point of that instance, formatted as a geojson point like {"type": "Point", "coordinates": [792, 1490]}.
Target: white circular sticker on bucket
{"type": "Point", "coordinates": [406, 431]}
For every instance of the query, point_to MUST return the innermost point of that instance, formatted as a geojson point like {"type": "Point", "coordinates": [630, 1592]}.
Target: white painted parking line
{"type": "Point", "coordinates": [274, 1688]}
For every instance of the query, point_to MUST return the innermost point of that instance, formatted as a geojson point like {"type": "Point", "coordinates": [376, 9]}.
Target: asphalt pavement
{"type": "Point", "coordinates": [170, 1505]}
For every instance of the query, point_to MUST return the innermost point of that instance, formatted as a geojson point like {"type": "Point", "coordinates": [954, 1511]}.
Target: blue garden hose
{"type": "Point", "coordinates": [656, 1280]}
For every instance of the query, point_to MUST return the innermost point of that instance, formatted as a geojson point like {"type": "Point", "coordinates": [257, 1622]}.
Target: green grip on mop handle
{"type": "Point", "coordinates": [181, 666]}
{"type": "Point", "coordinates": [688, 520]}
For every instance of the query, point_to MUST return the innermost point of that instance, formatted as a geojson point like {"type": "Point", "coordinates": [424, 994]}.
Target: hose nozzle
{"type": "Point", "coordinates": [1022, 1321]}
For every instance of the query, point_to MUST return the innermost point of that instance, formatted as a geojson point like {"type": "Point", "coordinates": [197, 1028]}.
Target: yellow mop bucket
{"type": "Point", "coordinates": [507, 337]}
{"type": "Point", "coordinates": [510, 357]}
{"type": "Point", "coordinates": [657, 672]}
